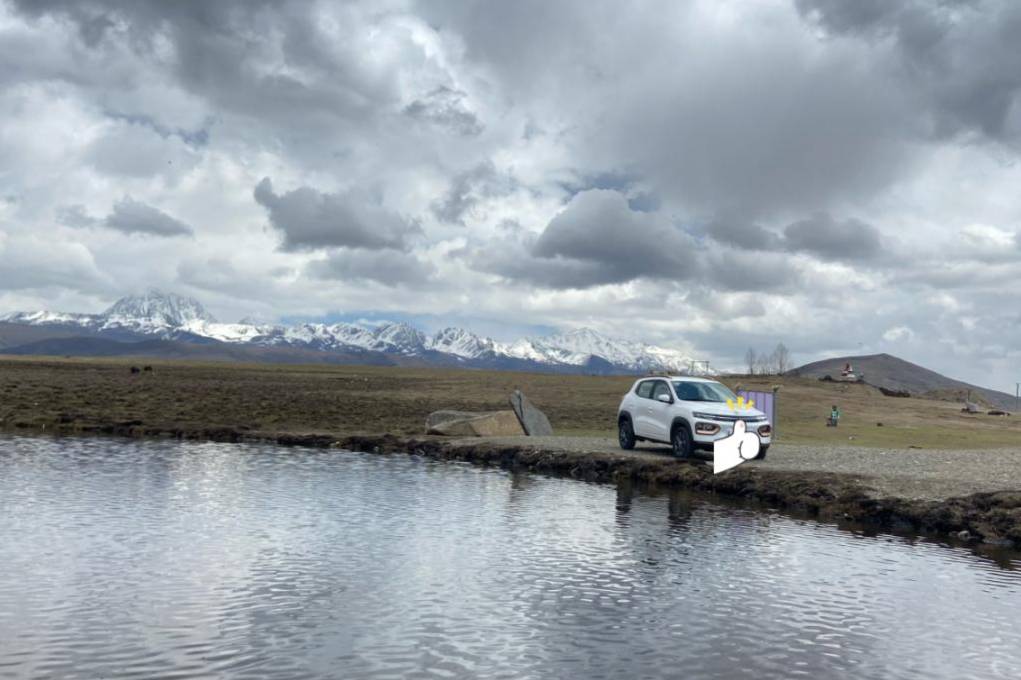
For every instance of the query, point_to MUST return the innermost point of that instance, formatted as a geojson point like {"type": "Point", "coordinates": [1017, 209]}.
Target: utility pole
{"type": "Point", "coordinates": [1017, 396]}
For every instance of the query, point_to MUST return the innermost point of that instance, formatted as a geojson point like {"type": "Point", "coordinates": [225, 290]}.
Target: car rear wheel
{"type": "Point", "coordinates": [626, 434]}
{"type": "Point", "coordinates": [762, 452]}
{"type": "Point", "coordinates": [681, 441]}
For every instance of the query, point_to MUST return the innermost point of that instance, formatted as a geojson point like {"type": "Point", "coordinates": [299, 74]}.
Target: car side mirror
{"type": "Point", "coordinates": [665, 398]}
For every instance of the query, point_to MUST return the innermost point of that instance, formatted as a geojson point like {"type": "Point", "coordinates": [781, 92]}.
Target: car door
{"type": "Point", "coordinates": [640, 414]}
{"type": "Point", "coordinates": [658, 412]}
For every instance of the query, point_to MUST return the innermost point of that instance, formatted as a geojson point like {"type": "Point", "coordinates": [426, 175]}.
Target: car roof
{"type": "Point", "coordinates": [682, 378]}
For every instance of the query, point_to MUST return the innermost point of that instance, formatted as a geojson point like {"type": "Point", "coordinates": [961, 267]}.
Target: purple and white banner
{"type": "Point", "coordinates": [765, 402]}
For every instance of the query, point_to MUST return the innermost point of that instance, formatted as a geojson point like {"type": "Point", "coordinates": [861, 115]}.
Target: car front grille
{"type": "Point", "coordinates": [732, 419]}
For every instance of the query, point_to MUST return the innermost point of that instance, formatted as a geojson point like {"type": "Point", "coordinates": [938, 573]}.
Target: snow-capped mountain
{"type": "Point", "coordinates": [49, 318]}
{"type": "Point", "coordinates": [578, 346]}
{"type": "Point", "coordinates": [461, 343]}
{"type": "Point", "coordinates": [158, 309]}
{"type": "Point", "coordinates": [170, 316]}
{"type": "Point", "coordinates": [153, 312]}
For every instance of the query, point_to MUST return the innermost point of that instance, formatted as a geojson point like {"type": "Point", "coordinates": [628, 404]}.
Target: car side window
{"type": "Point", "coordinates": [660, 389]}
{"type": "Point", "coordinates": [644, 389]}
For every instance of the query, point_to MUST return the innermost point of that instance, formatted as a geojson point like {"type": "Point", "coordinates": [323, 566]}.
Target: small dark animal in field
{"type": "Point", "coordinates": [879, 424]}
{"type": "Point", "coordinates": [826, 378]}
{"type": "Point", "coordinates": [135, 370]}
{"type": "Point", "coordinates": [996, 412]}
{"type": "Point", "coordinates": [147, 369]}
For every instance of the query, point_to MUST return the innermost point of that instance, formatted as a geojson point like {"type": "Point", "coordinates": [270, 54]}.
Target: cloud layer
{"type": "Point", "coordinates": [840, 176]}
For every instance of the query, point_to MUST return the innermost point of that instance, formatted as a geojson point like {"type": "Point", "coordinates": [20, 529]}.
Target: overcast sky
{"type": "Point", "coordinates": [839, 176]}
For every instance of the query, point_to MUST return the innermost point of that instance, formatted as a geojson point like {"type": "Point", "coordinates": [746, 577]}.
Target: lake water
{"type": "Point", "coordinates": [126, 559]}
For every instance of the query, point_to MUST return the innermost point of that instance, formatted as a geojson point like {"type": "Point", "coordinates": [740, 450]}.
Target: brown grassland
{"type": "Point", "coordinates": [83, 395]}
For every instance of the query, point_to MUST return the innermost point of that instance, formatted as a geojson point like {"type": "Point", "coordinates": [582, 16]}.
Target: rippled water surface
{"type": "Point", "coordinates": [158, 559]}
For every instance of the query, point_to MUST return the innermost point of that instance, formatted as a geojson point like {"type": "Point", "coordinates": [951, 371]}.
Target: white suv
{"type": "Point", "coordinates": [687, 413]}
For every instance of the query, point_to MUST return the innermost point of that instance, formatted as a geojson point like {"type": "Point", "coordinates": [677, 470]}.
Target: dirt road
{"type": "Point", "coordinates": [904, 473]}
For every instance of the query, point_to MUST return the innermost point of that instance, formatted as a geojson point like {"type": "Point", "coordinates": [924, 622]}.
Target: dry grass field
{"type": "Point", "coordinates": [80, 394]}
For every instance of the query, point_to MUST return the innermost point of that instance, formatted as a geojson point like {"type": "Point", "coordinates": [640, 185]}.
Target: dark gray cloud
{"type": "Point", "coordinates": [597, 239]}
{"type": "Point", "coordinates": [861, 16]}
{"type": "Point", "coordinates": [776, 125]}
{"type": "Point", "coordinates": [509, 260]}
{"type": "Point", "coordinates": [275, 66]}
{"type": "Point", "coordinates": [961, 58]}
{"type": "Point", "coordinates": [309, 219]}
{"type": "Point", "coordinates": [76, 216]}
{"type": "Point", "coordinates": [135, 217]}
{"type": "Point", "coordinates": [128, 216]}
{"type": "Point", "coordinates": [447, 108]}
{"type": "Point", "coordinates": [598, 226]}
{"type": "Point", "coordinates": [831, 239]}
{"type": "Point", "coordinates": [391, 268]}
{"type": "Point", "coordinates": [468, 189]}
{"type": "Point", "coordinates": [741, 270]}
{"type": "Point", "coordinates": [744, 234]}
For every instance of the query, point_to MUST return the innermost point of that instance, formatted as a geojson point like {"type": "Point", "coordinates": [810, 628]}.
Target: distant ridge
{"type": "Point", "coordinates": [886, 370]}
{"type": "Point", "coordinates": [173, 318]}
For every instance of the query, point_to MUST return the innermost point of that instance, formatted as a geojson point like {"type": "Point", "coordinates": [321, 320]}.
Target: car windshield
{"type": "Point", "coordinates": [702, 391]}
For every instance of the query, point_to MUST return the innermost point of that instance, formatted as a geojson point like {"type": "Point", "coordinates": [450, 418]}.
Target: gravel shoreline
{"type": "Point", "coordinates": [918, 474]}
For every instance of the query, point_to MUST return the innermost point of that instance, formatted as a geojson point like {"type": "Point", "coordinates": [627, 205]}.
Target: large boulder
{"type": "Point", "coordinates": [437, 418]}
{"type": "Point", "coordinates": [472, 424]}
{"type": "Point", "coordinates": [533, 421]}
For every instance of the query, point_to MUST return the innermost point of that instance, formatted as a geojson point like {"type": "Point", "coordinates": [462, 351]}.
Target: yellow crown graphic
{"type": "Point", "coordinates": [741, 405]}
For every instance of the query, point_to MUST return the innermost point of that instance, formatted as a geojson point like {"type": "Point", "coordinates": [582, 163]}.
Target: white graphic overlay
{"type": "Point", "coordinates": [731, 451]}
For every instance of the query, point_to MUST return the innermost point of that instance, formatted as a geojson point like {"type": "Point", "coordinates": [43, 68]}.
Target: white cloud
{"type": "Point", "coordinates": [898, 333]}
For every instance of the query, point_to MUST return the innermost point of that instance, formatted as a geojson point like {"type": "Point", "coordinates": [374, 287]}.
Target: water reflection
{"type": "Point", "coordinates": [160, 559]}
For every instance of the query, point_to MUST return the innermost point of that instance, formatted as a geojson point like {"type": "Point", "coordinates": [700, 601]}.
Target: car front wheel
{"type": "Point", "coordinates": [762, 452]}
{"type": "Point", "coordinates": [626, 434]}
{"type": "Point", "coordinates": [681, 441]}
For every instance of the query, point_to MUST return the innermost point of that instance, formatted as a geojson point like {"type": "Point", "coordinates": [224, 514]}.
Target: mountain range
{"type": "Point", "coordinates": [158, 323]}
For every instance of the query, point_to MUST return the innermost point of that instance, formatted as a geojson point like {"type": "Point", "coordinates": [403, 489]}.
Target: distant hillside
{"type": "Point", "coordinates": [93, 346]}
{"type": "Point", "coordinates": [14, 334]}
{"type": "Point", "coordinates": [884, 370]}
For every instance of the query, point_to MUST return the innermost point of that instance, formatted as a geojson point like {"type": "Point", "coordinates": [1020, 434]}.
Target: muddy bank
{"type": "Point", "coordinates": [993, 517]}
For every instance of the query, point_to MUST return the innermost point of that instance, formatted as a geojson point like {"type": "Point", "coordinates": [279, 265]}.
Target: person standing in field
{"type": "Point", "coordinates": [834, 416]}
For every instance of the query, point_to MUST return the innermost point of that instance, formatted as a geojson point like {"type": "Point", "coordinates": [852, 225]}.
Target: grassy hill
{"type": "Point", "coordinates": [804, 404]}
{"type": "Point", "coordinates": [885, 370]}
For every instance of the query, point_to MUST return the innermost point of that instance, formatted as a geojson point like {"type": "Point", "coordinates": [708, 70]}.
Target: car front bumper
{"type": "Point", "coordinates": [727, 429]}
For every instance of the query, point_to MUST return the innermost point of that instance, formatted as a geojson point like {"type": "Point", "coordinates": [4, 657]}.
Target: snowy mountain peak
{"type": "Point", "coordinates": [578, 346]}
{"type": "Point", "coordinates": [400, 337]}
{"type": "Point", "coordinates": [42, 318]}
{"type": "Point", "coordinates": [462, 343]}
{"type": "Point", "coordinates": [159, 308]}
{"type": "Point", "coordinates": [167, 315]}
